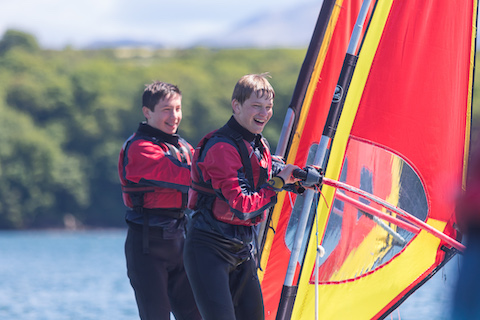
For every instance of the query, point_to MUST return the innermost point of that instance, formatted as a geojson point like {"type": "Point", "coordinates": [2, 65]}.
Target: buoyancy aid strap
{"type": "Point", "coordinates": [137, 188]}
{"type": "Point", "coordinates": [145, 240]}
{"type": "Point", "coordinates": [176, 152]}
{"type": "Point", "coordinates": [184, 203]}
{"type": "Point", "coordinates": [245, 161]}
{"type": "Point", "coordinates": [203, 188]}
{"type": "Point", "coordinates": [242, 148]}
{"type": "Point", "coordinates": [185, 144]}
{"type": "Point", "coordinates": [136, 193]}
{"type": "Point", "coordinates": [225, 131]}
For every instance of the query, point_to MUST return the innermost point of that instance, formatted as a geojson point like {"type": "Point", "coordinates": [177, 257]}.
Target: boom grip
{"type": "Point", "coordinates": [310, 176]}
{"type": "Point", "coordinates": [300, 174]}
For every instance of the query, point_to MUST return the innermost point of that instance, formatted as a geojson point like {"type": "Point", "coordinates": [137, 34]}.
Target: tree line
{"type": "Point", "coordinates": [66, 113]}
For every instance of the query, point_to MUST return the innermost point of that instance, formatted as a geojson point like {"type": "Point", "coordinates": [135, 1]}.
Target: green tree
{"type": "Point", "coordinates": [18, 39]}
{"type": "Point", "coordinates": [37, 175]}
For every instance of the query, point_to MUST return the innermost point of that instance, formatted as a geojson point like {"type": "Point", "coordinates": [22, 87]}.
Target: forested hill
{"type": "Point", "coordinates": [65, 115]}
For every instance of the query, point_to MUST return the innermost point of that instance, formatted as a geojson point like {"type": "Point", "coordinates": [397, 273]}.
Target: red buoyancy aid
{"type": "Point", "coordinates": [154, 174]}
{"type": "Point", "coordinates": [229, 173]}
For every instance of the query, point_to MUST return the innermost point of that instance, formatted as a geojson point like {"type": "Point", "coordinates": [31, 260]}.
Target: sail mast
{"type": "Point", "coordinates": [304, 78]}
{"type": "Point", "coordinates": [289, 290]}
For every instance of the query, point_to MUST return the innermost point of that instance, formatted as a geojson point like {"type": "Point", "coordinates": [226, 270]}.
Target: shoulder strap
{"type": "Point", "coordinates": [226, 131]}
{"type": "Point", "coordinates": [197, 183]}
{"type": "Point", "coordinates": [185, 146]}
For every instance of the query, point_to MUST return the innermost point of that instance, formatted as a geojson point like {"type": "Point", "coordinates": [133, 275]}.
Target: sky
{"type": "Point", "coordinates": [58, 23]}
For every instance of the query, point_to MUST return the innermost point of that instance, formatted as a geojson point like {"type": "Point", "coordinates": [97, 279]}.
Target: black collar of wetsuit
{"type": "Point", "coordinates": [146, 129]}
{"type": "Point", "coordinates": [247, 135]}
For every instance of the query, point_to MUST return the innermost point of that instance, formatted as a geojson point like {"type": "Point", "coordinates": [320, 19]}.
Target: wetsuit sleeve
{"type": "Point", "coordinates": [147, 163]}
{"type": "Point", "coordinates": [222, 165]}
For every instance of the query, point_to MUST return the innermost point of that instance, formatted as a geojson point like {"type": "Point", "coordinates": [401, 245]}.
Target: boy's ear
{"type": "Point", "coordinates": [235, 106]}
{"type": "Point", "coordinates": [146, 112]}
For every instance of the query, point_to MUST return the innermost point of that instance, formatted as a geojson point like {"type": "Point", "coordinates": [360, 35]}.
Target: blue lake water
{"type": "Point", "coordinates": [59, 275]}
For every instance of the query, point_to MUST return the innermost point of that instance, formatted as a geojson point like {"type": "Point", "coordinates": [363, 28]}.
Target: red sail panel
{"type": "Point", "coordinates": [416, 99]}
{"type": "Point", "coordinates": [307, 134]}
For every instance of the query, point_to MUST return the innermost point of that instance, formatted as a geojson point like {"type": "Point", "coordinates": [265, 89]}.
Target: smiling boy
{"type": "Point", "coordinates": [235, 180]}
{"type": "Point", "coordinates": [154, 169]}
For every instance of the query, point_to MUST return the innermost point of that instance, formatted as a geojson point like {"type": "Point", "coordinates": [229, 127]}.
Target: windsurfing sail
{"type": "Point", "coordinates": [398, 151]}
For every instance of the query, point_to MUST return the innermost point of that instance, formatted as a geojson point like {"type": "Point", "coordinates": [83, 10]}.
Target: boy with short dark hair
{"type": "Point", "coordinates": [154, 170]}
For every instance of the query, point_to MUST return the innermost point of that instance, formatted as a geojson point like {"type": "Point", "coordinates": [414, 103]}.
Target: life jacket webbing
{"type": "Point", "coordinates": [136, 195]}
{"type": "Point", "coordinates": [137, 192]}
{"type": "Point", "coordinates": [203, 188]}
{"type": "Point", "coordinates": [206, 188]}
{"type": "Point", "coordinates": [225, 131]}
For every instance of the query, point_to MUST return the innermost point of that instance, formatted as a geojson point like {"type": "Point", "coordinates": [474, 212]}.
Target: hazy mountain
{"type": "Point", "coordinates": [102, 44]}
{"type": "Point", "coordinates": [292, 28]}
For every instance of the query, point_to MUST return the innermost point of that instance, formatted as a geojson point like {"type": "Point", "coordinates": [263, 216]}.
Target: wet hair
{"type": "Point", "coordinates": [250, 83]}
{"type": "Point", "coordinates": [156, 91]}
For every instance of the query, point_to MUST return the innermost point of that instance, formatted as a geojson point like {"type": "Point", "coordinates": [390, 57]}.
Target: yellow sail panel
{"type": "Point", "coordinates": [360, 299]}
{"type": "Point", "coordinates": [470, 97]}
{"type": "Point", "coordinates": [371, 249]}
